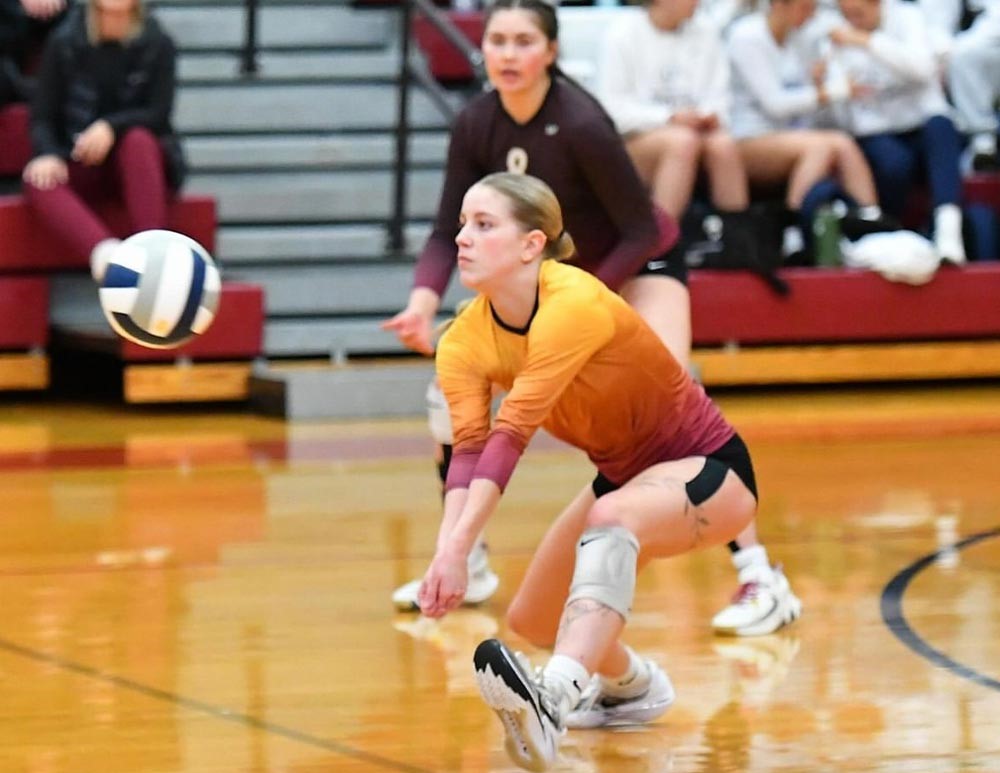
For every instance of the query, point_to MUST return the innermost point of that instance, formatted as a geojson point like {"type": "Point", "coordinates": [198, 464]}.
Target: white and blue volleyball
{"type": "Point", "coordinates": [160, 289]}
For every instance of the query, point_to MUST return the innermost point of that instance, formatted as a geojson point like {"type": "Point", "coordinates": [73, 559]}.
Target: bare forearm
{"type": "Point", "coordinates": [466, 512]}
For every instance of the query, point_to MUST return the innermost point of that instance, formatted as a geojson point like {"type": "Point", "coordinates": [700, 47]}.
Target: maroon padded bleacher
{"type": "Point", "coordinates": [24, 309]}
{"type": "Point", "coordinates": [977, 188]}
{"type": "Point", "coordinates": [844, 305]}
{"type": "Point", "coordinates": [15, 140]}
{"type": "Point", "coordinates": [28, 246]}
{"type": "Point", "coordinates": [445, 62]}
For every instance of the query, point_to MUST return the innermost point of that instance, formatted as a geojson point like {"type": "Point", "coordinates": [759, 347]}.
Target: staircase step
{"type": "Point", "coordinates": [240, 246]}
{"type": "Point", "coordinates": [315, 197]}
{"type": "Point", "coordinates": [266, 107]}
{"type": "Point", "coordinates": [363, 288]}
{"type": "Point", "coordinates": [328, 337]}
{"type": "Point", "coordinates": [332, 151]}
{"type": "Point", "coordinates": [358, 391]}
{"type": "Point", "coordinates": [379, 64]}
{"type": "Point", "coordinates": [204, 27]}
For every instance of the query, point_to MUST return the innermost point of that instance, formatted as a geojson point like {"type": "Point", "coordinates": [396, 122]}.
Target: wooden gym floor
{"type": "Point", "coordinates": [199, 592]}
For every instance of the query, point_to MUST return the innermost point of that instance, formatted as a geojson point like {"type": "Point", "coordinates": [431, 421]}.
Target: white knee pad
{"type": "Point", "coordinates": [605, 568]}
{"type": "Point", "coordinates": [438, 415]}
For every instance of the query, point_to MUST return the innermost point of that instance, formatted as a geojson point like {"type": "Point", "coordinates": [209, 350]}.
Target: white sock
{"type": "Point", "coordinates": [870, 212]}
{"type": "Point", "coordinates": [634, 682]}
{"type": "Point", "coordinates": [948, 232]}
{"type": "Point", "coordinates": [985, 143]}
{"type": "Point", "coordinates": [752, 564]}
{"type": "Point", "coordinates": [100, 256]}
{"type": "Point", "coordinates": [565, 678]}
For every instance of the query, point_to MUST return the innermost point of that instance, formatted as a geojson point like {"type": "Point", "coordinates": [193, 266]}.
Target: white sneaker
{"type": "Point", "coordinates": [483, 583]}
{"type": "Point", "coordinates": [525, 709]}
{"type": "Point", "coordinates": [760, 606]}
{"type": "Point", "coordinates": [598, 710]}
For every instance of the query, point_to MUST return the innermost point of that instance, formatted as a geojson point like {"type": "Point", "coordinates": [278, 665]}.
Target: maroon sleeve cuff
{"type": "Point", "coordinates": [668, 231]}
{"type": "Point", "coordinates": [499, 458]}
{"type": "Point", "coordinates": [617, 268]}
{"type": "Point", "coordinates": [496, 462]}
{"type": "Point", "coordinates": [460, 469]}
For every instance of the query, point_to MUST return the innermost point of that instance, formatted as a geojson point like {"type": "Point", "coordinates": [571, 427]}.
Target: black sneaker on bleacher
{"type": "Point", "coordinates": [853, 227]}
{"type": "Point", "coordinates": [986, 162]}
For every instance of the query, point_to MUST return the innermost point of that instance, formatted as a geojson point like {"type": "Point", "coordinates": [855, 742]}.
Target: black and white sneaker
{"type": "Point", "coordinates": [532, 725]}
{"type": "Point", "coordinates": [596, 709]}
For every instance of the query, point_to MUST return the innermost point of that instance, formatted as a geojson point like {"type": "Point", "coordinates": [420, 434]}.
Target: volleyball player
{"type": "Point", "coordinates": [535, 120]}
{"type": "Point", "coordinates": [673, 475]}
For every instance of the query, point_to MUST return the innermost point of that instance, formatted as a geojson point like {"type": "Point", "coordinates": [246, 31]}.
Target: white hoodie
{"type": "Point", "coordinates": [772, 84]}
{"type": "Point", "coordinates": [898, 65]}
{"type": "Point", "coordinates": [646, 74]}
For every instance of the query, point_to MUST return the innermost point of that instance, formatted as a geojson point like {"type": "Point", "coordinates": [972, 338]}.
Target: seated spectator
{"type": "Point", "coordinates": [101, 126]}
{"type": "Point", "coordinates": [971, 50]}
{"type": "Point", "coordinates": [664, 79]}
{"type": "Point", "coordinates": [24, 24]}
{"type": "Point", "coordinates": [900, 114]}
{"type": "Point", "coordinates": [778, 90]}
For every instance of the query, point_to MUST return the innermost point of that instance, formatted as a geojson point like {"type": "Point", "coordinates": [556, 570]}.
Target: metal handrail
{"type": "Point", "coordinates": [409, 73]}
{"type": "Point", "coordinates": [248, 56]}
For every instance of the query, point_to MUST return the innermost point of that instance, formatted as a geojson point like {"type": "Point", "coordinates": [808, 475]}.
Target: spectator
{"type": "Point", "coordinates": [900, 114]}
{"type": "Point", "coordinates": [970, 46]}
{"type": "Point", "coordinates": [24, 24]}
{"type": "Point", "coordinates": [664, 79]}
{"type": "Point", "coordinates": [101, 126]}
{"type": "Point", "coordinates": [778, 90]}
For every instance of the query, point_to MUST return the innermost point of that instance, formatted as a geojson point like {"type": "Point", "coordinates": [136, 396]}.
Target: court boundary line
{"type": "Point", "coordinates": [218, 712]}
{"type": "Point", "coordinates": [891, 607]}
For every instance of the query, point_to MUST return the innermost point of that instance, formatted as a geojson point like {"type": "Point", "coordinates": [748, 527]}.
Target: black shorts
{"type": "Point", "coordinates": [734, 454]}
{"type": "Point", "coordinates": [670, 263]}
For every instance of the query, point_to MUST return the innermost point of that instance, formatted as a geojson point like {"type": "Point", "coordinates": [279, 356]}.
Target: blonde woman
{"type": "Point", "coordinates": [536, 120]}
{"type": "Point", "coordinates": [672, 474]}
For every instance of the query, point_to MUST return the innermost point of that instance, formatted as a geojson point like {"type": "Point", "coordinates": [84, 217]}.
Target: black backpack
{"type": "Point", "coordinates": [743, 241]}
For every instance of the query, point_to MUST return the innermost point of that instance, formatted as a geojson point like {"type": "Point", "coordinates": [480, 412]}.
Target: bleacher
{"type": "Point", "coordinates": [49, 302]}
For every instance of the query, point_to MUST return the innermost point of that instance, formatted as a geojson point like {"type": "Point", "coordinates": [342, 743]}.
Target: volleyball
{"type": "Point", "coordinates": [160, 289]}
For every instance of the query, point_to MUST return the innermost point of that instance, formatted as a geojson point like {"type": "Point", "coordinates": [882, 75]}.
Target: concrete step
{"type": "Point", "coordinates": [224, 66]}
{"type": "Point", "coordinates": [207, 27]}
{"type": "Point", "coordinates": [297, 107]}
{"type": "Point", "coordinates": [351, 289]}
{"type": "Point", "coordinates": [315, 197]}
{"type": "Point", "coordinates": [332, 337]}
{"type": "Point", "coordinates": [329, 151]}
{"type": "Point", "coordinates": [356, 391]}
{"type": "Point", "coordinates": [329, 337]}
{"type": "Point", "coordinates": [252, 245]}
